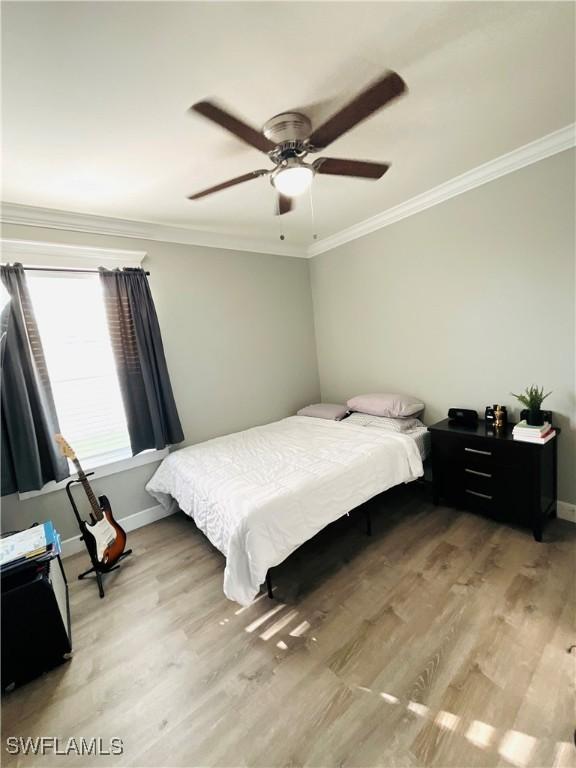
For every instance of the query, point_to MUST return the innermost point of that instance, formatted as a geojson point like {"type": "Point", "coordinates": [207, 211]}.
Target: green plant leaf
{"type": "Point", "coordinates": [532, 397]}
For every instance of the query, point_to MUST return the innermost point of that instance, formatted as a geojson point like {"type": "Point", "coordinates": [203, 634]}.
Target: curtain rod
{"type": "Point", "coordinates": [63, 269]}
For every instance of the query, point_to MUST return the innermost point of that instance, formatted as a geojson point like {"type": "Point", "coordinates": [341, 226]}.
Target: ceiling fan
{"type": "Point", "coordinates": [288, 138]}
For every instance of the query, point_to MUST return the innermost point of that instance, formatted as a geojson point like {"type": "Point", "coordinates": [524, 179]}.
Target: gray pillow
{"type": "Point", "coordinates": [394, 406]}
{"type": "Point", "coordinates": [324, 411]}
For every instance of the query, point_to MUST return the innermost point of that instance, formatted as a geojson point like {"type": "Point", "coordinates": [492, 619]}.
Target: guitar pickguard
{"type": "Point", "coordinates": [104, 535]}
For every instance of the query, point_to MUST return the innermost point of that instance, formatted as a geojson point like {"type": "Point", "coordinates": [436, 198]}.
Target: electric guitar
{"type": "Point", "coordinates": [105, 539]}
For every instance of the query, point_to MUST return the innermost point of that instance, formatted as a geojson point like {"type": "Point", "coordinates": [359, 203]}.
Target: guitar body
{"type": "Point", "coordinates": [105, 538]}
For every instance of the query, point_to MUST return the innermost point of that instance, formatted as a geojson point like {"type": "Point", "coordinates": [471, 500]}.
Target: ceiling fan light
{"type": "Point", "coordinates": [294, 180]}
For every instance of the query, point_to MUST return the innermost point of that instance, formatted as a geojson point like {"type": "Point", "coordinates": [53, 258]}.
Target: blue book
{"type": "Point", "coordinates": [37, 542]}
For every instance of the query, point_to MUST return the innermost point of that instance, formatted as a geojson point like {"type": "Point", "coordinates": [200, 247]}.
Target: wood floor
{"type": "Point", "coordinates": [442, 640]}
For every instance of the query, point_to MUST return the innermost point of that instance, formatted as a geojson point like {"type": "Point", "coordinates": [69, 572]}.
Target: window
{"type": "Point", "coordinates": [71, 317]}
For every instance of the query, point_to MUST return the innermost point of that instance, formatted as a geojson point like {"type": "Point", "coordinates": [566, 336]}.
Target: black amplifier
{"type": "Point", "coordinates": [35, 621]}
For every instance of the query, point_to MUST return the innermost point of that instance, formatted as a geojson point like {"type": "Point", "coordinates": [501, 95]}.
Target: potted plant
{"type": "Point", "coordinates": [532, 399]}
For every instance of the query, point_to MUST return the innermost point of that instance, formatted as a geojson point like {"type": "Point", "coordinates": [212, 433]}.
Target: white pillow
{"type": "Point", "coordinates": [407, 424]}
{"type": "Point", "coordinates": [324, 411]}
{"type": "Point", "coordinates": [394, 406]}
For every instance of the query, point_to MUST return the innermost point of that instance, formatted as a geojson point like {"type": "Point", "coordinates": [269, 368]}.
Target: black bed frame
{"type": "Point", "coordinates": [368, 519]}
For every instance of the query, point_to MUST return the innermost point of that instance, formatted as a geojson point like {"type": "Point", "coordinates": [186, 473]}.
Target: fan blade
{"type": "Point", "coordinates": [360, 168]}
{"type": "Point", "coordinates": [284, 205]}
{"type": "Point", "coordinates": [224, 119]}
{"type": "Point", "coordinates": [230, 183]}
{"type": "Point", "coordinates": [365, 104]}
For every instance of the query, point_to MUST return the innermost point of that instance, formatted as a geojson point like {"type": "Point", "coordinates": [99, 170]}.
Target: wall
{"type": "Point", "coordinates": [461, 304]}
{"type": "Point", "coordinates": [239, 340]}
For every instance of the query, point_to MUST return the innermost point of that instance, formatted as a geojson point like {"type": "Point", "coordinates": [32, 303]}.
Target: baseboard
{"type": "Point", "coordinates": [566, 511]}
{"type": "Point", "coordinates": [73, 545]}
{"type": "Point", "coordinates": [146, 516]}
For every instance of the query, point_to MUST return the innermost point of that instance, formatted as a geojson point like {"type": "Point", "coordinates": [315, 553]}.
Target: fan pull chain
{"type": "Point", "coordinates": [314, 235]}
{"type": "Point", "coordinates": [280, 226]}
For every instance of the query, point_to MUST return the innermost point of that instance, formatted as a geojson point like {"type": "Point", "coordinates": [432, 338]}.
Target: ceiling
{"type": "Point", "coordinates": [95, 100]}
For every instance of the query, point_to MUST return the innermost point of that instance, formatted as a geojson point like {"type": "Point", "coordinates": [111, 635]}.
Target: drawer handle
{"type": "Point", "coordinates": [482, 495]}
{"type": "Point", "coordinates": [475, 450]}
{"type": "Point", "coordinates": [475, 472]}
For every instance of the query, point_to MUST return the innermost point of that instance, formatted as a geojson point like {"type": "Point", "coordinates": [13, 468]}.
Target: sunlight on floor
{"type": "Point", "coordinates": [447, 720]}
{"type": "Point", "coordinates": [564, 755]}
{"type": "Point", "coordinates": [278, 625]}
{"type": "Point", "coordinates": [300, 630]}
{"type": "Point", "coordinates": [480, 734]}
{"type": "Point", "coordinates": [418, 709]}
{"type": "Point", "coordinates": [516, 747]}
{"type": "Point", "coordinates": [263, 619]}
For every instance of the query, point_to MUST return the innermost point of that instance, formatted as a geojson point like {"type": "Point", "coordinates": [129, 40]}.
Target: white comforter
{"type": "Point", "coordinates": [259, 494]}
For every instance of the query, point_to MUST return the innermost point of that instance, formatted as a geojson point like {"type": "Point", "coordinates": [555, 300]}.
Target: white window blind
{"type": "Point", "coordinates": [70, 313]}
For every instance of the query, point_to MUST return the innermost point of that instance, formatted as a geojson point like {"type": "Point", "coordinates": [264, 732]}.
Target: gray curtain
{"type": "Point", "coordinates": [30, 457]}
{"type": "Point", "coordinates": [149, 404]}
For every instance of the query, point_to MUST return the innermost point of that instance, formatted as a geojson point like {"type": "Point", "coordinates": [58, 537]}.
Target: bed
{"type": "Point", "coordinates": [260, 494]}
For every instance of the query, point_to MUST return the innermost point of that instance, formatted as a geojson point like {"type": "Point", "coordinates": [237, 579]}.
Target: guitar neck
{"type": "Point", "coordinates": [88, 489]}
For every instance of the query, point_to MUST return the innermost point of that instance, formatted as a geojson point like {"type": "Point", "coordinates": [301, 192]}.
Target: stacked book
{"type": "Point", "coordinates": [529, 434]}
{"type": "Point", "coordinates": [36, 544]}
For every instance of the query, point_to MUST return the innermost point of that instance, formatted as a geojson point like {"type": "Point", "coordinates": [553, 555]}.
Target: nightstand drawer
{"type": "Point", "coordinates": [484, 453]}
{"type": "Point", "coordinates": [476, 461]}
{"type": "Point", "coordinates": [487, 472]}
{"type": "Point", "coordinates": [480, 501]}
{"type": "Point", "coordinates": [462, 451]}
{"type": "Point", "coordinates": [477, 480]}
{"type": "Point", "coordinates": [479, 491]}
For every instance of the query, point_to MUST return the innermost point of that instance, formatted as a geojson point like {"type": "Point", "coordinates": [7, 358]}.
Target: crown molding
{"type": "Point", "coordinates": [548, 145]}
{"type": "Point", "coordinates": [50, 218]}
{"type": "Point", "coordinates": [34, 253]}
{"type": "Point", "coordinates": [32, 216]}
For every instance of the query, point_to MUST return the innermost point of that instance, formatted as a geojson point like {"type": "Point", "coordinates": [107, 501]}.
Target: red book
{"type": "Point", "coordinates": [540, 440]}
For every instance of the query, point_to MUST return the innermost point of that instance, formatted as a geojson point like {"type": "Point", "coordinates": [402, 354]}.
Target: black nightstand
{"type": "Point", "coordinates": [489, 472]}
